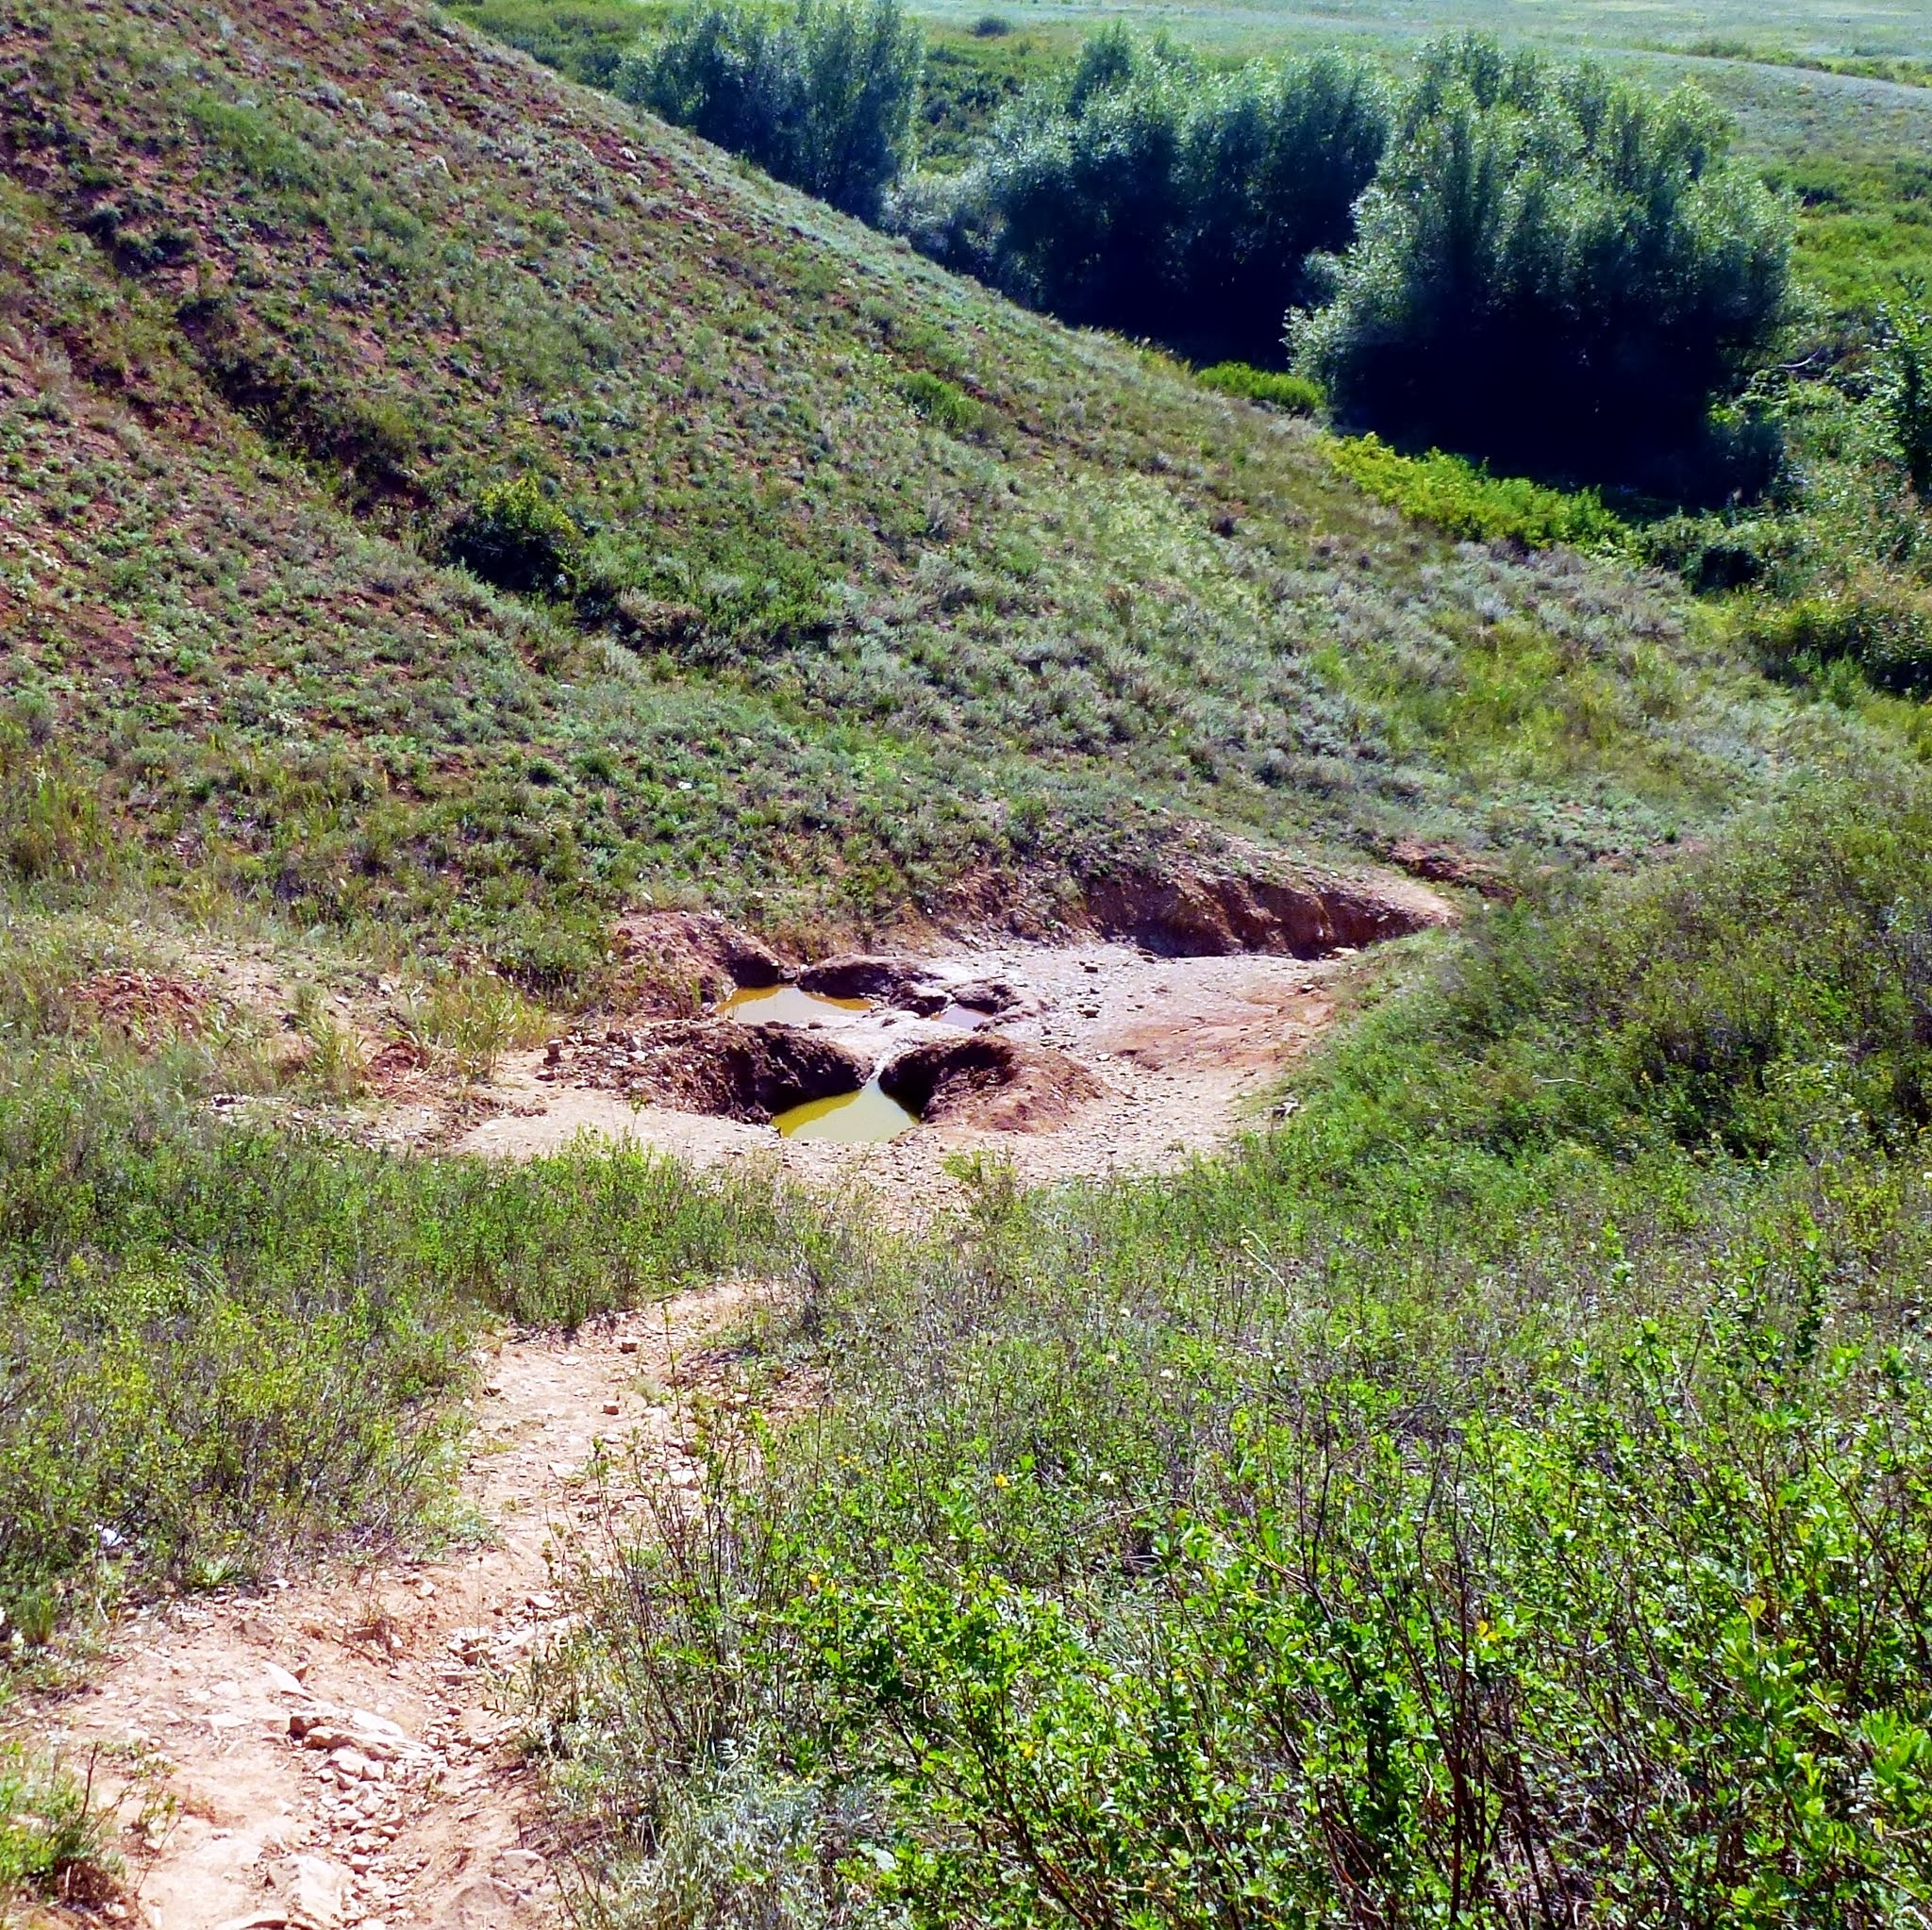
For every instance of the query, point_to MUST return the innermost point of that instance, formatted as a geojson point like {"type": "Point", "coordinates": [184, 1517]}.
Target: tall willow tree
{"type": "Point", "coordinates": [1554, 269]}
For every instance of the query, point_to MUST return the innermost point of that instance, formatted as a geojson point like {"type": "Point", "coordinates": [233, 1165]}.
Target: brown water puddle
{"type": "Point", "coordinates": [784, 1004]}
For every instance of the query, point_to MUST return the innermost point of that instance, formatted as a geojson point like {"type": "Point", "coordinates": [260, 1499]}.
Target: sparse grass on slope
{"type": "Point", "coordinates": [285, 302]}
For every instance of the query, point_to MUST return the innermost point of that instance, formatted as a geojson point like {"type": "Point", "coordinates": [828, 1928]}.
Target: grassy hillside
{"type": "Point", "coordinates": [901, 595]}
{"type": "Point", "coordinates": [1493, 1494]}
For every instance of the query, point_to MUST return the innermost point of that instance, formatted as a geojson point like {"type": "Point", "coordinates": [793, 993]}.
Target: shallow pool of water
{"type": "Point", "coordinates": [865, 1118]}
{"type": "Point", "coordinates": [784, 1004]}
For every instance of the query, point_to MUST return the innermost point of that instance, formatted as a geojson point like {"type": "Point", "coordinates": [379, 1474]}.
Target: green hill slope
{"type": "Point", "coordinates": [899, 599]}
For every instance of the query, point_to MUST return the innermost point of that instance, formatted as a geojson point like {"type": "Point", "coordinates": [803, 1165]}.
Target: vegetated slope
{"type": "Point", "coordinates": [885, 588]}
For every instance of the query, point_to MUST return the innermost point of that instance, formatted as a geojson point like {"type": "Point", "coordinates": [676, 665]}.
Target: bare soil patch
{"type": "Point", "coordinates": [337, 1753]}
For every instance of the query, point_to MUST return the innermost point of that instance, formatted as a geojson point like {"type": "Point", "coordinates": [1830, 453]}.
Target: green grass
{"type": "Point", "coordinates": [1464, 499]}
{"type": "Point", "coordinates": [1296, 394]}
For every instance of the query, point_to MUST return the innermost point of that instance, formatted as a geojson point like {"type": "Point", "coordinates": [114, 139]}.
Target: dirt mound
{"type": "Point", "coordinates": [747, 1073]}
{"type": "Point", "coordinates": [1210, 915]}
{"type": "Point", "coordinates": [1443, 864]}
{"type": "Point", "coordinates": [989, 1081]}
{"type": "Point", "coordinates": [678, 963]}
{"type": "Point", "coordinates": [141, 1005]}
{"type": "Point", "coordinates": [909, 984]}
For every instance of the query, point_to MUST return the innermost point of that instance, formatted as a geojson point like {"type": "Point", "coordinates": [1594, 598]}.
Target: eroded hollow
{"type": "Point", "coordinates": [751, 1073]}
{"type": "Point", "coordinates": [985, 1079]}
{"type": "Point", "coordinates": [1212, 915]}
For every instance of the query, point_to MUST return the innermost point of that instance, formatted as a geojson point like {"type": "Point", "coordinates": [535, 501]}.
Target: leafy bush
{"type": "Point", "coordinates": [1296, 394]}
{"type": "Point", "coordinates": [1882, 627]}
{"type": "Point", "coordinates": [1554, 269]}
{"type": "Point", "coordinates": [1905, 391]}
{"type": "Point", "coordinates": [1464, 499]}
{"type": "Point", "coordinates": [822, 98]}
{"type": "Point", "coordinates": [1139, 192]}
{"type": "Point", "coordinates": [53, 1839]}
{"type": "Point", "coordinates": [516, 537]}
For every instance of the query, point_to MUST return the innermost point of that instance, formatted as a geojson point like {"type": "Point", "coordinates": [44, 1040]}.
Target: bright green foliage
{"type": "Point", "coordinates": [1296, 394]}
{"type": "Point", "coordinates": [1139, 192]}
{"type": "Point", "coordinates": [515, 537]}
{"type": "Point", "coordinates": [1905, 391]}
{"type": "Point", "coordinates": [52, 1840]}
{"type": "Point", "coordinates": [823, 98]}
{"type": "Point", "coordinates": [1554, 269]}
{"type": "Point", "coordinates": [1464, 499]}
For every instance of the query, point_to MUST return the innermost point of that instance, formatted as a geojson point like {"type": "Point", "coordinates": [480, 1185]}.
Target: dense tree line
{"type": "Point", "coordinates": [1145, 194]}
{"type": "Point", "coordinates": [822, 97]}
{"type": "Point", "coordinates": [1554, 269]}
{"type": "Point", "coordinates": [1532, 263]}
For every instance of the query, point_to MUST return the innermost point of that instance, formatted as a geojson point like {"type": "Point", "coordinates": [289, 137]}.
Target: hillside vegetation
{"type": "Point", "coordinates": [441, 509]}
{"type": "Point", "coordinates": [877, 591]}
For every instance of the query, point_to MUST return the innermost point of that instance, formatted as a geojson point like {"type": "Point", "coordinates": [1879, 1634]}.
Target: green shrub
{"type": "Point", "coordinates": [515, 537]}
{"type": "Point", "coordinates": [992, 27]}
{"type": "Point", "coordinates": [822, 98]}
{"type": "Point", "coordinates": [53, 1839]}
{"type": "Point", "coordinates": [941, 404]}
{"type": "Point", "coordinates": [1554, 269]}
{"type": "Point", "coordinates": [1465, 499]}
{"type": "Point", "coordinates": [1141, 192]}
{"type": "Point", "coordinates": [1880, 625]}
{"type": "Point", "coordinates": [1295, 395]}
{"type": "Point", "coordinates": [1905, 391]}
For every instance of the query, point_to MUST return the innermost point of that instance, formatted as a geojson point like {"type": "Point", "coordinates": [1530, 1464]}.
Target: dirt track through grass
{"type": "Point", "coordinates": [423, 1812]}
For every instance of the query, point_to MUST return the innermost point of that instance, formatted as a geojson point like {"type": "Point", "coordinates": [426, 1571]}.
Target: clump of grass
{"type": "Point", "coordinates": [1293, 395]}
{"type": "Point", "coordinates": [478, 1017]}
{"type": "Point", "coordinates": [52, 827]}
{"type": "Point", "coordinates": [1463, 499]}
{"type": "Point", "coordinates": [942, 402]}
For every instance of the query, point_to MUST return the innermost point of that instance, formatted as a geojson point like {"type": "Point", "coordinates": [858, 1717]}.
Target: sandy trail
{"type": "Point", "coordinates": [421, 1813]}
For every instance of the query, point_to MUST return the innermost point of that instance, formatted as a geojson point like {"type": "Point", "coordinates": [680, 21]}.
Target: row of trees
{"type": "Point", "coordinates": [822, 97]}
{"type": "Point", "coordinates": [1534, 263]}
{"type": "Point", "coordinates": [1142, 193]}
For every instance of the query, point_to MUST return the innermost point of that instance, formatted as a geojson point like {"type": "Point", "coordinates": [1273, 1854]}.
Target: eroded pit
{"type": "Point", "coordinates": [748, 1072]}
{"type": "Point", "coordinates": [1151, 1030]}
{"type": "Point", "coordinates": [1199, 914]}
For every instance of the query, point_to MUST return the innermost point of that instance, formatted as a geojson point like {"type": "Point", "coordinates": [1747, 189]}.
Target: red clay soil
{"type": "Point", "coordinates": [675, 964]}
{"type": "Point", "coordinates": [1210, 915]}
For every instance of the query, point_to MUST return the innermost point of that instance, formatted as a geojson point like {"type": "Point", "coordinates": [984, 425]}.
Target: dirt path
{"type": "Point", "coordinates": [402, 1803]}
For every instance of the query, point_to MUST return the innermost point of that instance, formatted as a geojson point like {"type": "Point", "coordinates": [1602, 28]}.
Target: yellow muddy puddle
{"type": "Point", "coordinates": [784, 1004]}
{"type": "Point", "coordinates": [865, 1118]}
